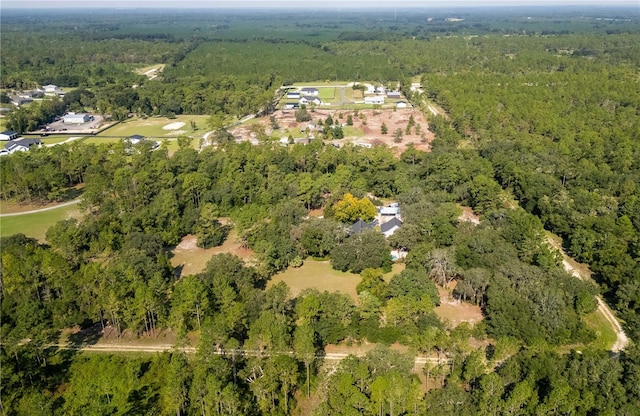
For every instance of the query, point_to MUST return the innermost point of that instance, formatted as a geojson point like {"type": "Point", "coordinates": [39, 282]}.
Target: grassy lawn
{"type": "Point", "coordinates": [321, 84]}
{"type": "Point", "coordinates": [350, 131]}
{"type": "Point", "coordinates": [153, 127]}
{"type": "Point", "coordinates": [36, 225]}
{"type": "Point", "coordinates": [328, 94]}
{"type": "Point", "coordinates": [319, 275]}
{"type": "Point", "coordinates": [58, 139]}
{"type": "Point", "coordinates": [605, 334]}
{"type": "Point", "coordinates": [100, 140]}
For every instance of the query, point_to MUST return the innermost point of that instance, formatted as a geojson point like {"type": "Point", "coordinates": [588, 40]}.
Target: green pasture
{"type": "Point", "coordinates": [320, 84]}
{"type": "Point", "coordinates": [100, 140]}
{"type": "Point", "coordinates": [319, 275]}
{"type": "Point", "coordinates": [36, 225]}
{"type": "Point", "coordinates": [59, 139]}
{"type": "Point", "coordinates": [351, 131]}
{"type": "Point", "coordinates": [605, 334]}
{"type": "Point", "coordinates": [153, 127]}
{"type": "Point", "coordinates": [328, 94]}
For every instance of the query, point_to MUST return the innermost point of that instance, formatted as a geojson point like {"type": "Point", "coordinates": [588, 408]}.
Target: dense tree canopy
{"type": "Point", "coordinates": [542, 132]}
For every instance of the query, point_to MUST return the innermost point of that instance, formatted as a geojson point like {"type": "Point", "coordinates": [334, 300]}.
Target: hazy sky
{"type": "Point", "coordinates": [88, 4]}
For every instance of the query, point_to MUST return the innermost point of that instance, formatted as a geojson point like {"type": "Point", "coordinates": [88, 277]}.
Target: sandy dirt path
{"type": "Point", "coordinates": [621, 338]}
{"type": "Point", "coordinates": [330, 356]}
{"type": "Point", "coordinates": [33, 211]}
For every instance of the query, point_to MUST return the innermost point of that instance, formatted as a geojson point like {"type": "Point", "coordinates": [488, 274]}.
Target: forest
{"type": "Point", "coordinates": [542, 133]}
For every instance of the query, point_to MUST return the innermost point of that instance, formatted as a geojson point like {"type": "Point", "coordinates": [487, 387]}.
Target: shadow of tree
{"type": "Point", "coordinates": [87, 336]}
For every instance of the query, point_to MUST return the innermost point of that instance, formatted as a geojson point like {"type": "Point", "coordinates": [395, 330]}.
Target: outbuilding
{"type": "Point", "coordinates": [8, 135]}
{"type": "Point", "coordinates": [79, 118]}
{"type": "Point", "coordinates": [310, 91]}
{"type": "Point", "coordinates": [377, 99]}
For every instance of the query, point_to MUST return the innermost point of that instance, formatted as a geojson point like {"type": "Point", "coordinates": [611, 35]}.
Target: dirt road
{"type": "Point", "coordinates": [33, 211]}
{"type": "Point", "coordinates": [418, 361]}
{"type": "Point", "coordinates": [621, 338]}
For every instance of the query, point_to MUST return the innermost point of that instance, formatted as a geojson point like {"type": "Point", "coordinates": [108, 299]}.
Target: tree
{"type": "Point", "coordinates": [383, 128]}
{"type": "Point", "coordinates": [209, 231]}
{"type": "Point", "coordinates": [319, 236]}
{"type": "Point", "coordinates": [304, 349]}
{"type": "Point", "coordinates": [302, 115]}
{"type": "Point", "coordinates": [373, 283]}
{"type": "Point", "coordinates": [349, 120]}
{"type": "Point", "coordinates": [350, 209]}
{"type": "Point", "coordinates": [176, 385]}
{"type": "Point", "coordinates": [442, 267]}
{"type": "Point", "coordinates": [362, 251]}
{"type": "Point", "coordinates": [397, 136]}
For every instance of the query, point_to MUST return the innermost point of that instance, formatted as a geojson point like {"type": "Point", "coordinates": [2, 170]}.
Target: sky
{"type": "Point", "coordinates": [298, 4]}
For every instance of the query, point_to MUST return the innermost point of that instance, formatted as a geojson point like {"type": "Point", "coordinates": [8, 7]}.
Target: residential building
{"type": "Point", "coordinates": [21, 145]}
{"type": "Point", "coordinates": [310, 91]}
{"type": "Point", "coordinates": [376, 99]}
{"type": "Point", "coordinates": [390, 227]}
{"type": "Point", "coordinates": [8, 135]}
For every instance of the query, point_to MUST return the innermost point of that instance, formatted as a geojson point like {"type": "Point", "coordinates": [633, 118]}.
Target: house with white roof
{"type": "Point", "coordinates": [376, 99]}
{"type": "Point", "coordinates": [79, 118]}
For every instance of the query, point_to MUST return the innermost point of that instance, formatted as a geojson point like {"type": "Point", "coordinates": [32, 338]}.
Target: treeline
{"type": "Point", "coordinates": [381, 382]}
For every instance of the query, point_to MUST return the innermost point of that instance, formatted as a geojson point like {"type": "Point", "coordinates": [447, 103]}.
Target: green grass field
{"type": "Point", "coordinates": [153, 127]}
{"type": "Point", "coordinates": [36, 225]}
{"type": "Point", "coordinates": [321, 84]}
{"type": "Point", "coordinates": [350, 131]}
{"type": "Point", "coordinates": [605, 334]}
{"type": "Point", "coordinates": [328, 94]}
{"type": "Point", "coordinates": [319, 275]}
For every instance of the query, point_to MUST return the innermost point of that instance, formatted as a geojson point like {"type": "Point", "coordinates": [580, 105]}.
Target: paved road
{"type": "Point", "coordinates": [33, 211]}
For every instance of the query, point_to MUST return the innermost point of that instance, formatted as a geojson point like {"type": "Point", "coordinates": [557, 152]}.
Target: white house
{"type": "Point", "coordinates": [21, 145]}
{"type": "Point", "coordinates": [293, 94]}
{"type": "Point", "coordinates": [51, 89]}
{"type": "Point", "coordinates": [310, 100]}
{"type": "Point", "coordinates": [314, 92]}
{"type": "Point", "coordinates": [401, 104]}
{"type": "Point", "coordinates": [390, 227]}
{"type": "Point", "coordinates": [374, 100]}
{"type": "Point", "coordinates": [135, 139]}
{"type": "Point", "coordinates": [391, 210]}
{"type": "Point", "coordinates": [380, 90]}
{"type": "Point", "coordinates": [79, 118]}
{"type": "Point", "coordinates": [8, 135]}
